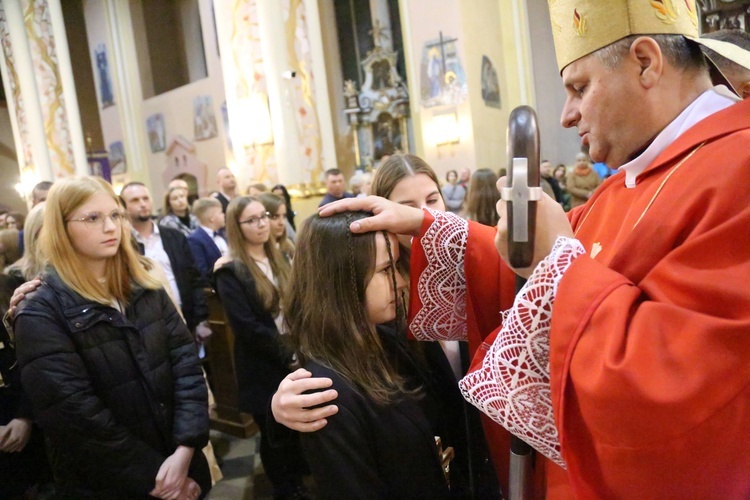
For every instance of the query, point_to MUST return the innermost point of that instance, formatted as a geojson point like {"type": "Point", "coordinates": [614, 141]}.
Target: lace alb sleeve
{"type": "Point", "coordinates": [513, 384]}
{"type": "Point", "coordinates": [442, 284]}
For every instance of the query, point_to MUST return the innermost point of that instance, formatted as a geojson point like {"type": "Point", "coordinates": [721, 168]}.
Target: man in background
{"type": "Point", "coordinates": [227, 187]}
{"type": "Point", "coordinates": [335, 185]}
{"type": "Point", "coordinates": [39, 193]}
{"type": "Point", "coordinates": [170, 249]}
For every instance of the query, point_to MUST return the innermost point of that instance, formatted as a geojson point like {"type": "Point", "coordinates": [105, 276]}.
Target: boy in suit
{"type": "Point", "coordinates": [206, 244]}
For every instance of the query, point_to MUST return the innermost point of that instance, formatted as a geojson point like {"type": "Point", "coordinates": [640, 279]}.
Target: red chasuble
{"type": "Point", "coordinates": [650, 336]}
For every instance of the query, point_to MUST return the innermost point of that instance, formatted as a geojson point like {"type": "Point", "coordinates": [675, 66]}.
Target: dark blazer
{"type": "Point", "coordinates": [115, 393]}
{"type": "Point", "coordinates": [190, 283]}
{"type": "Point", "coordinates": [205, 252]}
{"type": "Point", "coordinates": [371, 451]}
{"type": "Point", "coordinates": [260, 358]}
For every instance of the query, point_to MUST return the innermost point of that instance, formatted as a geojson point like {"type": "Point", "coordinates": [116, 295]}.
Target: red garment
{"type": "Point", "coordinates": [650, 335]}
{"type": "Point", "coordinates": [450, 305]}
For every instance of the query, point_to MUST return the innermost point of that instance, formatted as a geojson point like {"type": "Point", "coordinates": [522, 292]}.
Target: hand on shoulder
{"type": "Point", "coordinates": [221, 262]}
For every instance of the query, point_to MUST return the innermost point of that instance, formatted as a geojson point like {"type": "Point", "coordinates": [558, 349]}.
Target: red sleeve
{"type": "Point", "coordinates": [651, 381]}
{"type": "Point", "coordinates": [459, 283]}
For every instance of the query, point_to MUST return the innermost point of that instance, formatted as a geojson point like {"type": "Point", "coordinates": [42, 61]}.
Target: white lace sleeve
{"type": "Point", "coordinates": [442, 284]}
{"type": "Point", "coordinates": [513, 384]}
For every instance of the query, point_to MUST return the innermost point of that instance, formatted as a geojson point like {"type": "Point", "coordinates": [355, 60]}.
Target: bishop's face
{"type": "Point", "coordinates": [603, 105]}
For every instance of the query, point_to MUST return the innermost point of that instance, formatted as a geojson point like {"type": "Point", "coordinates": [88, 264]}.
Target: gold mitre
{"type": "Point", "coordinates": [581, 27]}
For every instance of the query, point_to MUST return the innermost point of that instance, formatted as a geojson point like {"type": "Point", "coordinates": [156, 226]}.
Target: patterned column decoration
{"type": "Point", "coordinates": [49, 86]}
{"type": "Point", "coordinates": [251, 89]}
{"type": "Point", "coordinates": [303, 91]}
{"type": "Point", "coordinates": [48, 89]}
{"type": "Point", "coordinates": [15, 90]}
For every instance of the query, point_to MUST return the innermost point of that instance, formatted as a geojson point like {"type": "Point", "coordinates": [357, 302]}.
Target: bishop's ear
{"type": "Point", "coordinates": [649, 58]}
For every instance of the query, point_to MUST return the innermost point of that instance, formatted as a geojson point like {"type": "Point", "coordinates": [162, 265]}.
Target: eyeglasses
{"type": "Point", "coordinates": [96, 219]}
{"type": "Point", "coordinates": [255, 221]}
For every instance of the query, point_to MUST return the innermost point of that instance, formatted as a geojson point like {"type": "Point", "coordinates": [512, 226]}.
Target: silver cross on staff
{"type": "Point", "coordinates": [519, 194]}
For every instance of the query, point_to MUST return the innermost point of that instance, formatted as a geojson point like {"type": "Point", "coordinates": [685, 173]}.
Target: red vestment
{"type": "Point", "coordinates": [650, 335]}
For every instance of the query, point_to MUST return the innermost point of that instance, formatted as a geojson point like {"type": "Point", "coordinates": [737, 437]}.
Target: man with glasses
{"type": "Point", "coordinates": [206, 243]}
{"type": "Point", "coordinates": [170, 249]}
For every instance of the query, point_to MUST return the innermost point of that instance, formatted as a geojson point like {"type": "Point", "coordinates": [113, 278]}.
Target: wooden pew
{"type": "Point", "coordinates": [225, 417]}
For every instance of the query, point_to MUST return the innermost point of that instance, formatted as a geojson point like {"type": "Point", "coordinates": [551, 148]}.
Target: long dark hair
{"type": "Point", "coordinates": [287, 202]}
{"type": "Point", "coordinates": [483, 197]}
{"type": "Point", "coordinates": [247, 269]}
{"type": "Point", "coordinates": [326, 310]}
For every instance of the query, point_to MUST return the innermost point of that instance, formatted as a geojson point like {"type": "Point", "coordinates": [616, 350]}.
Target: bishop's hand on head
{"type": "Point", "coordinates": [388, 215]}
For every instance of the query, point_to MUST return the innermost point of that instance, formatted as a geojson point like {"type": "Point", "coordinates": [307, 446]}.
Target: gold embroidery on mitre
{"type": "Point", "coordinates": [692, 12]}
{"type": "Point", "coordinates": [579, 23]}
{"type": "Point", "coordinates": [666, 10]}
{"type": "Point", "coordinates": [595, 249]}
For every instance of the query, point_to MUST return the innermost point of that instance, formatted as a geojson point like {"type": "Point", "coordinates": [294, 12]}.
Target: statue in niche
{"type": "Point", "coordinates": [386, 135]}
{"type": "Point", "coordinates": [379, 113]}
{"type": "Point", "coordinates": [381, 75]}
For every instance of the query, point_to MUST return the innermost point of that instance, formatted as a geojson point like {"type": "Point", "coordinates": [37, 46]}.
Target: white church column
{"type": "Point", "coordinates": [41, 94]}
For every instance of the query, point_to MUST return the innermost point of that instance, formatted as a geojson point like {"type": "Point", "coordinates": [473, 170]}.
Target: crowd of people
{"type": "Point", "coordinates": [384, 348]}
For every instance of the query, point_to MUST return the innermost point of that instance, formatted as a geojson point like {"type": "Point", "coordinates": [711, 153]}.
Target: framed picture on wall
{"type": "Point", "coordinates": [104, 81]}
{"type": "Point", "coordinates": [204, 118]}
{"type": "Point", "coordinates": [156, 133]}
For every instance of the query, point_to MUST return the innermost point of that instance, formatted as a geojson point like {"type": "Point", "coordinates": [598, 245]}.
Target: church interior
{"type": "Point", "coordinates": [279, 92]}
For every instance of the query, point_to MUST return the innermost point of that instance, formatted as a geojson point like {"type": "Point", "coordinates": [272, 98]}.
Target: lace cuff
{"type": "Point", "coordinates": [442, 285]}
{"type": "Point", "coordinates": [512, 386]}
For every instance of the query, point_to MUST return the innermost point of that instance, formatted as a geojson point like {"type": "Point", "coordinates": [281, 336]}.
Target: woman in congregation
{"type": "Point", "coordinates": [483, 197]}
{"type": "Point", "coordinates": [109, 366]}
{"type": "Point", "coordinates": [15, 220]}
{"type": "Point", "coordinates": [9, 249]}
{"type": "Point", "coordinates": [409, 180]}
{"type": "Point", "coordinates": [345, 315]}
{"type": "Point", "coordinates": [582, 181]}
{"type": "Point", "coordinates": [280, 190]}
{"type": "Point", "coordinates": [250, 283]}
{"type": "Point", "coordinates": [453, 192]}
{"type": "Point", "coordinates": [276, 209]}
{"type": "Point", "coordinates": [177, 212]}
{"type": "Point", "coordinates": [23, 462]}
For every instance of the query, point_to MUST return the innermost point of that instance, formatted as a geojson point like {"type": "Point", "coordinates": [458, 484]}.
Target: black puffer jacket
{"type": "Point", "coordinates": [115, 394]}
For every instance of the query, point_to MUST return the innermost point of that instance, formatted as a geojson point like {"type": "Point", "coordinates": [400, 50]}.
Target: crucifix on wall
{"type": "Point", "coordinates": [443, 79]}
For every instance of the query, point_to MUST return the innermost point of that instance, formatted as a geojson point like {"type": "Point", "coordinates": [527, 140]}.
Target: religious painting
{"type": "Point", "coordinates": [106, 96]}
{"type": "Point", "coordinates": [443, 80]}
{"type": "Point", "coordinates": [386, 133]}
{"type": "Point", "coordinates": [204, 118]}
{"type": "Point", "coordinates": [156, 133]}
{"type": "Point", "coordinates": [490, 84]}
{"type": "Point", "coordinates": [117, 161]}
{"type": "Point", "coordinates": [381, 74]}
{"type": "Point", "coordinates": [99, 165]}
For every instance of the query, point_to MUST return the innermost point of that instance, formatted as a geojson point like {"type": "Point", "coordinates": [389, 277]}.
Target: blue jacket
{"type": "Point", "coordinates": [204, 250]}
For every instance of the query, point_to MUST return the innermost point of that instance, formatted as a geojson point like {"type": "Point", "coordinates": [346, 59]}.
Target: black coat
{"type": "Point", "coordinates": [189, 281]}
{"type": "Point", "coordinates": [372, 451]}
{"type": "Point", "coordinates": [115, 394]}
{"type": "Point", "coordinates": [21, 470]}
{"type": "Point", "coordinates": [260, 358]}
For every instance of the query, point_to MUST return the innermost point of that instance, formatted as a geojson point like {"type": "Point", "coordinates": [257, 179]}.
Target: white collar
{"type": "Point", "coordinates": [208, 230]}
{"type": "Point", "coordinates": [710, 102]}
{"type": "Point", "coordinates": [140, 238]}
